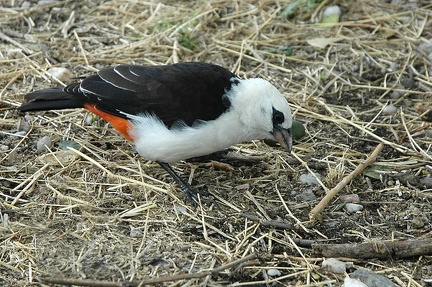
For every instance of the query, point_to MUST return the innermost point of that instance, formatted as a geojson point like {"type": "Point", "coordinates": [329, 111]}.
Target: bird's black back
{"type": "Point", "coordinates": [180, 92]}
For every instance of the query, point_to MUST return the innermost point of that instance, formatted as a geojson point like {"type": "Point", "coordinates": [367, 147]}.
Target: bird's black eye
{"type": "Point", "coordinates": [278, 117]}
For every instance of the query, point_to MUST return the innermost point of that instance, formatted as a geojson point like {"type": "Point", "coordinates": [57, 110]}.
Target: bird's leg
{"type": "Point", "coordinates": [190, 192]}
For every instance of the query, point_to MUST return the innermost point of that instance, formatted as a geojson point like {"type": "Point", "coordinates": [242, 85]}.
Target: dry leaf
{"type": "Point", "coordinates": [322, 42]}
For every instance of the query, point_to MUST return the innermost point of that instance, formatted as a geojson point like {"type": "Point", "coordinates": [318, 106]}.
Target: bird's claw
{"type": "Point", "coordinates": [194, 196]}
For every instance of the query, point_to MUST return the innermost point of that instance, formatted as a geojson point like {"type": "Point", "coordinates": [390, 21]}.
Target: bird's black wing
{"type": "Point", "coordinates": [185, 91]}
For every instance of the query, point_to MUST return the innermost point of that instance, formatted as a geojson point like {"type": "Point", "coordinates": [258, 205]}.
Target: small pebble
{"type": "Point", "coordinates": [43, 144]}
{"type": "Point", "coordinates": [180, 209]}
{"type": "Point", "coordinates": [28, 118]}
{"type": "Point", "coordinates": [351, 282]}
{"type": "Point", "coordinates": [135, 233]}
{"type": "Point", "coordinates": [331, 14]}
{"type": "Point", "coordinates": [23, 125]}
{"type": "Point", "coordinates": [14, 53]}
{"type": "Point", "coordinates": [333, 265]}
{"type": "Point", "coordinates": [393, 66]}
{"type": "Point", "coordinates": [425, 47]}
{"type": "Point", "coordinates": [60, 73]}
{"type": "Point", "coordinates": [395, 95]}
{"type": "Point", "coordinates": [350, 198]}
{"type": "Point", "coordinates": [305, 195]}
{"type": "Point", "coordinates": [273, 272]}
{"type": "Point", "coordinates": [26, 4]}
{"type": "Point", "coordinates": [331, 224]}
{"type": "Point", "coordinates": [12, 157]}
{"type": "Point", "coordinates": [353, 207]}
{"type": "Point", "coordinates": [64, 145]}
{"type": "Point", "coordinates": [408, 82]}
{"type": "Point", "coordinates": [4, 147]}
{"type": "Point", "coordinates": [389, 110]}
{"type": "Point", "coordinates": [427, 181]}
{"type": "Point", "coordinates": [371, 279]}
{"type": "Point", "coordinates": [46, 2]}
{"type": "Point", "coordinates": [308, 178]}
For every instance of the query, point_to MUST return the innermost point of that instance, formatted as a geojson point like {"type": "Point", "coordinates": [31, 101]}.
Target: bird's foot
{"type": "Point", "coordinates": [193, 195]}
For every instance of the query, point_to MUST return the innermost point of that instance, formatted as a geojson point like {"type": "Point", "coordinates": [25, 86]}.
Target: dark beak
{"type": "Point", "coordinates": [283, 137]}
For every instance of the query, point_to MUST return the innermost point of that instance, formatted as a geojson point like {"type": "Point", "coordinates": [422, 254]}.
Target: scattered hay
{"type": "Point", "coordinates": [100, 212]}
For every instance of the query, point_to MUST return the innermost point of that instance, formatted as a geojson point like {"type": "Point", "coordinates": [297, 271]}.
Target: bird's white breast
{"type": "Point", "coordinates": [154, 141]}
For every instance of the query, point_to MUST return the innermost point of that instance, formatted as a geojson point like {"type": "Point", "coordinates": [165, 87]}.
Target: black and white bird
{"type": "Point", "coordinates": [175, 112]}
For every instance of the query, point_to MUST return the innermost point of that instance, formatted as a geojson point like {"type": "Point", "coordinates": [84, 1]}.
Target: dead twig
{"type": "Point", "coordinates": [315, 212]}
{"type": "Point", "coordinates": [6, 38]}
{"type": "Point", "coordinates": [158, 280]}
{"type": "Point", "coordinates": [380, 249]}
{"type": "Point", "coordinates": [269, 223]}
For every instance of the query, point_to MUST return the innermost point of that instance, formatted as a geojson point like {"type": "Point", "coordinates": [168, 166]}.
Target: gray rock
{"type": "Point", "coordinates": [353, 207]}
{"type": "Point", "coordinates": [371, 279]}
{"type": "Point", "coordinates": [309, 178]}
{"type": "Point", "coordinates": [333, 265]}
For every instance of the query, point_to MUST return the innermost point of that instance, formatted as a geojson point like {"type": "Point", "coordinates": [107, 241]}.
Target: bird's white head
{"type": "Point", "coordinates": [263, 111]}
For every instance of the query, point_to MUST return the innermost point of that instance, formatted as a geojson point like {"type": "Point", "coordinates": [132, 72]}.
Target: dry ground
{"type": "Point", "coordinates": [103, 213]}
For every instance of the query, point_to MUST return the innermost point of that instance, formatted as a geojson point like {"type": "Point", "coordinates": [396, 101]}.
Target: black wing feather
{"type": "Point", "coordinates": [53, 99]}
{"type": "Point", "coordinates": [181, 92]}
{"type": "Point", "coordinates": [184, 91]}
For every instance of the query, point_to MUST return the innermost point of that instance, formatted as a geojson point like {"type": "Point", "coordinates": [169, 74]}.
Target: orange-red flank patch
{"type": "Point", "coordinates": [120, 124]}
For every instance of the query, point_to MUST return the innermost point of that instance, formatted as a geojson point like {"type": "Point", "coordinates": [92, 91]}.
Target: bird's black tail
{"type": "Point", "coordinates": [52, 99]}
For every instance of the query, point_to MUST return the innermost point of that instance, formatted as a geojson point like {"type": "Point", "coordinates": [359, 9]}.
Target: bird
{"type": "Point", "coordinates": [177, 111]}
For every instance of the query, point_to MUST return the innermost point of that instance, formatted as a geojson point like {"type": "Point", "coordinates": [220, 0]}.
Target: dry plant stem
{"type": "Point", "coordinates": [381, 249]}
{"type": "Point", "coordinates": [397, 147]}
{"type": "Point", "coordinates": [315, 212]}
{"type": "Point", "coordinates": [270, 223]}
{"type": "Point", "coordinates": [310, 171]}
{"type": "Point", "coordinates": [113, 175]}
{"type": "Point", "coordinates": [415, 146]}
{"type": "Point", "coordinates": [15, 43]}
{"type": "Point", "coordinates": [158, 280]}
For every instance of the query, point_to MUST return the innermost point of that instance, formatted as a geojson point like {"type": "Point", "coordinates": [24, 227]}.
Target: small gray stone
{"type": "Point", "coordinates": [309, 178]}
{"type": "Point", "coordinates": [371, 279]}
{"type": "Point", "coordinates": [395, 95]}
{"type": "Point", "coordinates": [135, 233]}
{"type": "Point", "coordinates": [353, 207]}
{"type": "Point", "coordinates": [306, 195]}
{"type": "Point", "coordinates": [26, 4]}
{"type": "Point", "coordinates": [351, 282]}
{"type": "Point", "coordinates": [390, 110]}
{"type": "Point", "coordinates": [350, 198]}
{"type": "Point", "coordinates": [60, 73]}
{"type": "Point", "coordinates": [273, 272]}
{"type": "Point", "coordinates": [23, 125]}
{"type": "Point", "coordinates": [333, 265]}
{"type": "Point", "coordinates": [331, 14]}
{"type": "Point", "coordinates": [43, 144]}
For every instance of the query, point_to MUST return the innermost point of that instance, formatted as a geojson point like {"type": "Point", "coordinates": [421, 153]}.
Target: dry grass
{"type": "Point", "coordinates": [101, 212]}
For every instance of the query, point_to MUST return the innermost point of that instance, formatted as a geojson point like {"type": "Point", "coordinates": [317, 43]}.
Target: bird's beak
{"type": "Point", "coordinates": [283, 137]}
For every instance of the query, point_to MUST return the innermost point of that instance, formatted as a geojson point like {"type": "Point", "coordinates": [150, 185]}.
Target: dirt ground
{"type": "Point", "coordinates": [100, 212]}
